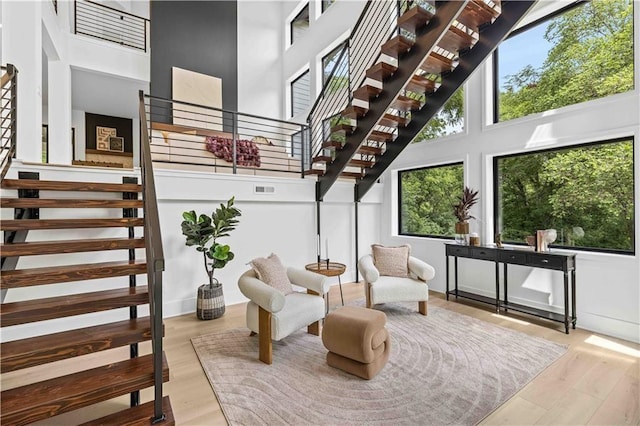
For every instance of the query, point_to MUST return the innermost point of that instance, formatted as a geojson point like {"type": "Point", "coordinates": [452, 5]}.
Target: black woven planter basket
{"type": "Point", "coordinates": [210, 302]}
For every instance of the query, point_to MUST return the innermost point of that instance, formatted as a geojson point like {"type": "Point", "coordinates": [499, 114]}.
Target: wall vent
{"type": "Point", "coordinates": [261, 189]}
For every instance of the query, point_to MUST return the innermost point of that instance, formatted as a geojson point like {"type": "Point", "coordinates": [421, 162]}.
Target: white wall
{"type": "Point", "coordinates": [608, 285]}
{"type": "Point", "coordinates": [282, 223]}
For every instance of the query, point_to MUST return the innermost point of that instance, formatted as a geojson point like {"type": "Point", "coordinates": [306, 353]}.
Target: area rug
{"type": "Point", "coordinates": [445, 368]}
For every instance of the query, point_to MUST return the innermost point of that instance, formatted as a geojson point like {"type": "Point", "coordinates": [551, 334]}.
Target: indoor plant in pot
{"type": "Point", "coordinates": [461, 211]}
{"type": "Point", "coordinates": [203, 232]}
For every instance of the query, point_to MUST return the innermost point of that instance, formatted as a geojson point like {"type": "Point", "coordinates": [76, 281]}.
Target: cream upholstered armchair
{"type": "Point", "coordinates": [392, 275]}
{"type": "Point", "coordinates": [272, 314]}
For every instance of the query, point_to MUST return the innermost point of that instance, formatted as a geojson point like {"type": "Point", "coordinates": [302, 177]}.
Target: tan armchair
{"type": "Point", "coordinates": [273, 315]}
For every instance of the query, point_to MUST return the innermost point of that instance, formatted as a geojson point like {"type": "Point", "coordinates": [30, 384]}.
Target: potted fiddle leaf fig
{"type": "Point", "coordinates": [203, 232]}
{"type": "Point", "coordinates": [461, 210]}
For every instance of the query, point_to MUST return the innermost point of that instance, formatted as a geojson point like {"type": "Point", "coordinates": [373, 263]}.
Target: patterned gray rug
{"type": "Point", "coordinates": [445, 368]}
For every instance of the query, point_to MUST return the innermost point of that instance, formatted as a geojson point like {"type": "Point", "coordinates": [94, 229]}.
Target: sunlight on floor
{"type": "Point", "coordinates": [608, 344]}
{"type": "Point", "coordinates": [517, 321]}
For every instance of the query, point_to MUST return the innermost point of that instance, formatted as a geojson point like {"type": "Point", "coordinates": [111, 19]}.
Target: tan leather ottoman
{"type": "Point", "coordinates": [357, 340]}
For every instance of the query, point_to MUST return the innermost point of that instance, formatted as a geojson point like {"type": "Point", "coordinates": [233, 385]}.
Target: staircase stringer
{"type": "Point", "coordinates": [489, 38]}
{"type": "Point", "coordinates": [426, 40]}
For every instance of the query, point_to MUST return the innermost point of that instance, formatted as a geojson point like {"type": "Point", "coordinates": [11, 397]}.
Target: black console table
{"type": "Point", "coordinates": [555, 261]}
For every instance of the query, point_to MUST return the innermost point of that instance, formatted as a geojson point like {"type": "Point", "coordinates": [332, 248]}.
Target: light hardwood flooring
{"type": "Point", "coordinates": [596, 382]}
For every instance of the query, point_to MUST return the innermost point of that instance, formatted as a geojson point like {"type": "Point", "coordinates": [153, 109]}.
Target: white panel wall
{"type": "Point", "coordinates": [608, 286]}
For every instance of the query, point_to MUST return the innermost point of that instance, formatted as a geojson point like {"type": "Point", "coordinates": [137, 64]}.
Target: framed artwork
{"type": "Point", "coordinates": [103, 137]}
{"type": "Point", "coordinates": [116, 144]}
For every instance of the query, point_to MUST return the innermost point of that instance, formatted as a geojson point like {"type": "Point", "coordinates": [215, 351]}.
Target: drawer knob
{"type": "Point", "coordinates": [482, 252]}
{"type": "Point", "coordinates": [545, 260]}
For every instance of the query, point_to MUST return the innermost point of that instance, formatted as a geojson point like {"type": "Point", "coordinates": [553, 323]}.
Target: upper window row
{"type": "Point", "coordinates": [300, 24]}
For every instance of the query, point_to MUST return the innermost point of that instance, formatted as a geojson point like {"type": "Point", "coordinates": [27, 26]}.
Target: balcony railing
{"type": "Point", "coordinates": [186, 136]}
{"type": "Point", "coordinates": [106, 23]}
{"type": "Point", "coordinates": [8, 116]}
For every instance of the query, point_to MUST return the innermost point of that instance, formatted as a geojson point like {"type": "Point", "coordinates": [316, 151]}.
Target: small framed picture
{"type": "Point", "coordinates": [116, 143]}
{"type": "Point", "coordinates": [102, 137]}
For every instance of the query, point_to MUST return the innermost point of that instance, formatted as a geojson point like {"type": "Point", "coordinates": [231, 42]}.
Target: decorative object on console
{"type": "Point", "coordinates": [474, 239]}
{"type": "Point", "coordinates": [499, 240]}
{"type": "Point", "coordinates": [247, 152]}
{"type": "Point", "coordinates": [461, 211]}
{"type": "Point", "coordinates": [541, 240]}
{"type": "Point", "coordinates": [203, 232]}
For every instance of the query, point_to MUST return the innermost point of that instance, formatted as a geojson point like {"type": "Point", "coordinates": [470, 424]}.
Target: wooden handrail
{"type": "Point", "coordinates": [155, 256]}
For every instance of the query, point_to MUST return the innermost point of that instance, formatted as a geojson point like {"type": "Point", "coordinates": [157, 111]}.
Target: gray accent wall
{"type": "Point", "coordinates": [200, 36]}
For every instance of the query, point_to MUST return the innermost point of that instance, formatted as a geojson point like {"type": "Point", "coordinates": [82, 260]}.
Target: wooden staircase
{"type": "Point", "coordinates": [125, 338]}
{"type": "Point", "coordinates": [418, 70]}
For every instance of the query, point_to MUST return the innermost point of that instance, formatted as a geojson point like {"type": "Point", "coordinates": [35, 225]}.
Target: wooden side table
{"type": "Point", "coordinates": [328, 269]}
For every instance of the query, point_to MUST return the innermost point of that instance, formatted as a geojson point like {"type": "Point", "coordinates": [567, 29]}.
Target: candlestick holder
{"type": "Point", "coordinates": [322, 261]}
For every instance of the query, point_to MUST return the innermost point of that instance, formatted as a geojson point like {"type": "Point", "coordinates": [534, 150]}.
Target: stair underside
{"type": "Point", "coordinates": [60, 274]}
{"type": "Point", "coordinates": [64, 306]}
{"type": "Point", "coordinates": [30, 352]}
{"type": "Point", "coordinates": [45, 399]}
{"type": "Point", "coordinates": [136, 416]}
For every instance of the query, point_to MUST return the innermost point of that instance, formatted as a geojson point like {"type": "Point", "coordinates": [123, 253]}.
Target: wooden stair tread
{"type": "Point", "coordinates": [366, 92]}
{"type": "Point", "coordinates": [397, 46]}
{"type": "Point", "coordinates": [381, 71]}
{"type": "Point", "coordinates": [74, 304]}
{"type": "Point", "coordinates": [354, 112]}
{"type": "Point", "coordinates": [405, 103]}
{"type": "Point", "coordinates": [419, 84]}
{"type": "Point", "coordinates": [377, 135]}
{"type": "Point", "coordinates": [342, 128]}
{"type": "Point", "coordinates": [59, 274]}
{"type": "Point", "coordinates": [322, 159]}
{"type": "Point", "coordinates": [68, 203]}
{"type": "Point", "coordinates": [360, 163]}
{"type": "Point", "coordinates": [15, 225]}
{"type": "Point", "coordinates": [318, 172]}
{"type": "Point", "coordinates": [42, 400]}
{"type": "Point", "coordinates": [438, 64]}
{"type": "Point", "coordinates": [414, 18]}
{"type": "Point", "coordinates": [478, 13]}
{"type": "Point", "coordinates": [354, 175]}
{"type": "Point", "coordinates": [25, 353]}
{"type": "Point", "coordinates": [331, 145]}
{"type": "Point", "coordinates": [51, 185]}
{"type": "Point", "coordinates": [455, 40]}
{"type": "Point", "coordinates": [136, 416]}
{"type": "Point", "coordinates": [369, 150]}
{"type": "Point", "coordinates": [36, 248]}
{"type": "Point", "coordinates": [391, 120]}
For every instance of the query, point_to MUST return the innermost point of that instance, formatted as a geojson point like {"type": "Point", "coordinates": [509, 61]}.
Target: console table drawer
{"type": "Point", "coordinates": [483, 253]}
{"type": "Point", "coordinates": [457, 250]}
{"type": "Point", "coordinates": [511, 257]}
{"type": "Point", "coordinates": [549, 262]}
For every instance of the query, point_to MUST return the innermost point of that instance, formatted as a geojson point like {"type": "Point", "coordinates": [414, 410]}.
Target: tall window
{"type": "Point", "coordinates": [426, 197]}
{"type": "Point", "coordinates": [300, 94]}
{"type": "Point", "coordinates": [300, 24]}
{"type": "Point", "coordinates": [448, 121]}
{"type": "Point", "coordinates": [584, 192]}
{"type": "Point", "coordinates": [585, 52]}
{"type": "Point", "coordinates": [326, 4]}
{"type": "Point", "coordinates": [340, 77]}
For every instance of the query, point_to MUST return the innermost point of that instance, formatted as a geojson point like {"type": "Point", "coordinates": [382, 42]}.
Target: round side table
{"type": "Point", "coordinates": [328, 269]}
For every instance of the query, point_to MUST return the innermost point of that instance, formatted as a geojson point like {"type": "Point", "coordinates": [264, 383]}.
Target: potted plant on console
{"type": "Point", "coordinates": [461, 211]}
{"type": "Point", "coordinates": [203, 232]}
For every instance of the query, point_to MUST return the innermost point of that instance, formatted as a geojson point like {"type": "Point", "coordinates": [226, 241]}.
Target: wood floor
{"type": "Point", "coordinates": [597, 382]}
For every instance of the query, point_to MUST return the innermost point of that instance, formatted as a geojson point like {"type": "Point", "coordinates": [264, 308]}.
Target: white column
{"type": "Point", "coordinates": [59, 113]}
{"type": "Point", "coordinates": [22, 47]}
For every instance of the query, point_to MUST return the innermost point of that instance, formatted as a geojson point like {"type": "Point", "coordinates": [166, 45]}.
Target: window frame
{"type": "Point", "coordinates": [496, 192]}
{"type": "Point", "coordinates": [517, 31]}
{"type": "Point", "coordinates": [295, 18]}
{"type": "Point", "coordinates": [301, 75]}
{"type": "Point", "coordinates": [324, 6]}
{"type": "Point", "coordinates": [399, 177]}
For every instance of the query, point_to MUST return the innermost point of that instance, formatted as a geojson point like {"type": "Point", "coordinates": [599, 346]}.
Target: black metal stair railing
{"type": "Point", "coordinates": [110, 24]}
{"type": "Point", "coordinates": [8, 117]}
